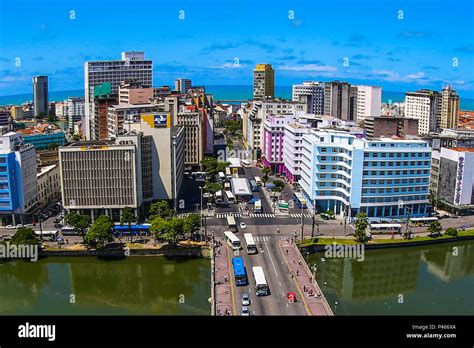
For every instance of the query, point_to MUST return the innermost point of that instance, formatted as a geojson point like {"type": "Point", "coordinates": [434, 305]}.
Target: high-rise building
{"type": "Point", "coordinates": [263, 81]}
{"type": "Point", "coordinates": [75, 111]}
{"type": "Point", "coordinates": [340, 100]}
{"type": "Point", "coordinates": [133, 66]}
{"type": "Point", "coordinates": [254, 116]}
{"type": "Point", "coordinates": [104, 177]}
{"type": "Point", "coordinates": [312, 93]}
{"type": "Point", "coordinates": [40, 95]}
{"type": "Point", "coordinates": [453, 179]}
{"type": "Point", "coordinates": [385, 178]}
{"type": "Point", "coordinates": [182, 85]}
{"type": "Point", "coordinates": [389, 126]}
{"type": "Point", "coordinates": [449, 117]}
{"type": "Point", "coordinates": [103, 99]}
{"type": "Point", "coordinates": [18, 182]}
{"type": "Point", "coordinates": [423, 105]}
{"type": "Point", "coordinates": [369, 101]}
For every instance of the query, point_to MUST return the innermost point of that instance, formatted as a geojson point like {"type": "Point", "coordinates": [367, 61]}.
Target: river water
{"type": "Point", "coordinates": [131, 286]}
{"type": "Point", "coordinates": [428, 280]}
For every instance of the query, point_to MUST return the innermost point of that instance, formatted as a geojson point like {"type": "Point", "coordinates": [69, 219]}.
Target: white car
{"type": "Point", "coordinates": [245, 311]}
{"type": "Point", "coordinates": [10, 227]}
{"type": "Point", "coordinates": [243, 225]}
{"type": "Point", "coordinates": [245, 300]}
{"type": "Point", "coordinates": [19, 226]}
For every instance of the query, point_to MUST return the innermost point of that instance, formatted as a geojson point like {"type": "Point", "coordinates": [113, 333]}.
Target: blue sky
{"type": "Point", "coordinates": [407, 50]}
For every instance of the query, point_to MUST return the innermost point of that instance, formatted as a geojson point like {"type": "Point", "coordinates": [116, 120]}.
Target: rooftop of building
{"type": "Point", "coordinates": [86, 143]}
{"type": "Point", "coordinates": [462, 149]}
{"type": "Point", "coordinates": [132, 106]}
{"type": "Point", "coordinates": [45, 169]}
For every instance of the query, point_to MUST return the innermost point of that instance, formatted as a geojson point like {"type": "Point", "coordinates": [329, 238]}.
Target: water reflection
{"type": "Point", "coordinates": [431, 277]}
{"type": "Point", "coordinates": [138, 285]}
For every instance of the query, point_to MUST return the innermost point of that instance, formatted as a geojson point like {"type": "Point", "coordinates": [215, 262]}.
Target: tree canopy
{"type": "Point", "coordinates": [361, 224]}
{"type": "Point", "coordinates": [24, 235]}
{"type": "Point", "coordinates": [100, 232]}
{"type": "Point", "coordinates": [161, 209]}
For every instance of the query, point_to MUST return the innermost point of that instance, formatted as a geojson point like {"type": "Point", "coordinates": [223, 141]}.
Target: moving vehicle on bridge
{"type": "Point", "coordinates": [231, 224]}
{"type": "Point", "coordinates": [250, 243]}
{"type": "Point", "coordinates": [240, 274]}
{"type": "Point", "coordinates": [261, 286]}
{"type": "Point", "coordinates": [232, 240]}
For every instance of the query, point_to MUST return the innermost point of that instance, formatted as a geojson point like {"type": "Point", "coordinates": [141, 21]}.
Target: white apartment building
{"type": "Point", "coordinates": [254, 117]}
{"type": "Point", "coordinates": [369, 101]}
{"type": "Point", "coordinates": [293, 149]}
{"type": "Point", "coordinates": [132, 66]}
{"type": "Point", "coordinates": [117, 115]}
{"type": "Point", "coordinates": [424, 106]}
{"type": "Point", "coordinates": [48, 182]}
{"type": "Point", "coordinates": [75, 110]}
{"type": "Point", "coordinates": [311, 93]}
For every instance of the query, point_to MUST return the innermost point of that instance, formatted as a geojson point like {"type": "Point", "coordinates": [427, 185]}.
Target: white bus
{"type": "Point", "coordinates": [261, 285]}
{"type": "Point", "coordinates": [219, 197]}
{"type": "Point", "coordinates": [258, 181]}
{"type": "Point", "coordinates": [422, 221]}
{"type": "Point", "coordinates": [232, 225]}
{"type": "Point", "coordinates": [232, 240]}
{"type": "Point", "coordinates": [250, 244]}
{"type": "Point", "coordinates": [385, 228]}
{"type": "Point", "coordinates": [69, 231]}
{"type": "Point", "coordinates": [227, 186]}
{"type": "Point", "coordinates": [258, 206]}
{"type": "Point", "coordinates": [230, 197]}
{"type": "Point", "coordinates": [51, 235]}
{"type": "Point", "coordinates": [221, 176]}
{"type": "Point", "coordinates": [228, 174]}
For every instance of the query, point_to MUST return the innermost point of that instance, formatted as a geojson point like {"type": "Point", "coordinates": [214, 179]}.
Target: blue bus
{"type": "Point", "coordinates": [240, 275]}
{"type": "Point", "coordinates": [137, 230]}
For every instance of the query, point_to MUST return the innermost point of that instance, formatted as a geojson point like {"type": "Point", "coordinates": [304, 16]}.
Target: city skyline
{"type": "Point", "coordinates": [304, 44]}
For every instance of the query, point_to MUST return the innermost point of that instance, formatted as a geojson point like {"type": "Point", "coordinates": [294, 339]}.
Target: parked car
{"type": "Point", "coordinates": [19, 226]}
{"type": "Point", "coordinates": [245, 300]}
{"type": "Point", "coordinates": [9, 227]}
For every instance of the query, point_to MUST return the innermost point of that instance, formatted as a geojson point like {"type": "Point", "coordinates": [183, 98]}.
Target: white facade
{"type": "Point", "coordinates": [255, 117]}
{"type": "Point", "coordinates": [293, 149]}
{"type": "Point", "coordinates": [424, 106]}
{"type": "Point", "coordinates": [385, 178]}
{"type": "Point", "coordinates": [369, 101]}
{"type": "Point", "coordinates": [48, 182]}
{"type": "Point", "coordinates": [133, 66]}
{"type": "Point", "coordinates": [313, 94]}
{"type": "Point", "coordinates": [75, 110]}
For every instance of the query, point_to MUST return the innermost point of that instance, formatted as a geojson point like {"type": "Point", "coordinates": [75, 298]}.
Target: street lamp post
{"type": "Point", "coordinates": [335, 307]}
{"type": "Point", "coordinates": [302, 224]}
{"type": "Point", "coordinates": [323, 261]}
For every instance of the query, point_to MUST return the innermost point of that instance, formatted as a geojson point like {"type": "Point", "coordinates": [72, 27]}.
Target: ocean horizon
{"type": "Point", "coordinates": [220, 92]}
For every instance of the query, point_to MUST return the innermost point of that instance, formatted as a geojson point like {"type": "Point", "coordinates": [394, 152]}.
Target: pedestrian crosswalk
{"type": "Point", "coordinates": [299, 215]}
{"type": "Point", "coordinates": [261, 238]}
{"type": "Point", "coordinates": [225, 215]}
{"type": "Point", "coordinates": [262, 215]}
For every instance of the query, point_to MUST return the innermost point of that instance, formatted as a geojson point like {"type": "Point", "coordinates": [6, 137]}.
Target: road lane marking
{"type": "Point", "coordinates": [271, 259]}
{"type": "Point", "coordinates": [279, 283]}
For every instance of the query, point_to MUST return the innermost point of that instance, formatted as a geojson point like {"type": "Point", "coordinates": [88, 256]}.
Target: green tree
{"type": "Point", "coordinates": [191, 224]}
{"type": "Point", "coordinates": [128, 217]}
{"type": "Point", "coordinates": [161, 209]}
{"type": "Point", "coordinates": [168, 229]}
{"type": "Point", "coordinates": [266, 171]}
{"type": "Point", "coordinates": [52, 146]}
{"type": "Point", "coordinates": [279, 185]}
{"type": "Point", "coordinates": [24, 235]}
{"type": "Point", "coordinates": [435, 228]}
{"type": "Point", "coordinates": [212, 187]}
{"type": "Point", "coordinates": [100, 232]}
{"type": "Point", "coordinates": [450, 231]}
{"type": "Point", "coordinates": [212, 166]}
{"type": "Point", "coordinates": [80, 222]}
{"type": "Point", "coordinates": [361, 224]}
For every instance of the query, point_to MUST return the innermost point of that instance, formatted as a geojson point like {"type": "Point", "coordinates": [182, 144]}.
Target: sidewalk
{"type": "Point", "coordinates": [307, 286]}
{"type": "Point", "coordinates": [223, 289]}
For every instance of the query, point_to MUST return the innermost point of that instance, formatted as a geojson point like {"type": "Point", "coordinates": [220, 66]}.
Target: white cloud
{"type": "Point", "coordinates": [229, 66]}
{"type": "Point", "coordinates": [308, 67]}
